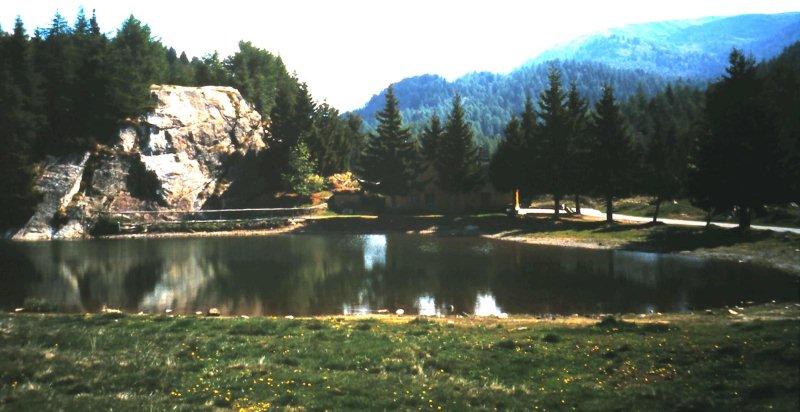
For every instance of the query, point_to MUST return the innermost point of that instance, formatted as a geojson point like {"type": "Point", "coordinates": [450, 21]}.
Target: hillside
{"type": "Point", "coordinates": [490, 99]}
{"type": "Point", "coordinates": [645, 56]}
{"type": "Point", "coordinates": [683, 48]}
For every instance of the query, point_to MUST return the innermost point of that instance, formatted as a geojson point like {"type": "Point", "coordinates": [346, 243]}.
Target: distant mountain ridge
{"type": "Point", "coordinates": [642, 56]}
{"type": "Point", "coordinates": [683, 48]}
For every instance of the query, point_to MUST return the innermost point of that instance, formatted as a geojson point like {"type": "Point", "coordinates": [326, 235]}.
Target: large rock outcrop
{"type": "Point", "coordinates": [174, 158]}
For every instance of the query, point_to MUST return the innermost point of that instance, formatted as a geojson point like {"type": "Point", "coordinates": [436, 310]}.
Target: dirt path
{"type": "Point", "coordinates": [678, 222]}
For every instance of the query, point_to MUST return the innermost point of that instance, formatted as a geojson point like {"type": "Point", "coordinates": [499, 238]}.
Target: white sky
{"type": "Point", "coordinates": [348, 50]}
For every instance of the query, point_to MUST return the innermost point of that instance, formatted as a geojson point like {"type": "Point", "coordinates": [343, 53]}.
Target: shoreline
{"type": "Point", "coordinates": [775, 250]}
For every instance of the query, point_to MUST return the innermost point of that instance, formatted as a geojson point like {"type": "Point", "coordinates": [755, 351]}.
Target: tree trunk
{"type": "Point", "coordinates": [577, 204]}
{"type": "Point", "coordinates": [744, 217]}
{"type": "Point", "coordinates": [609, 210]}
{"type": "Point", "coordinates": [556, 206]}
{"type": "Point", "coordinates": [658, 207]}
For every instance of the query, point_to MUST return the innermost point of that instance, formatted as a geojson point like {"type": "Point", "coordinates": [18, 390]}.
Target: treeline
{"type": "Point", "coordinates": [67, 88]}
{"type": "Point", "coordinates": [733, 148]}
{"type": "Point", "coordinates": [397, 162]}
{"type": "Point", "coordinates": [491, 99]}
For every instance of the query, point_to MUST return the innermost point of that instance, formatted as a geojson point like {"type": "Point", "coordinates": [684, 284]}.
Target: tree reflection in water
{"type": "Point", "coordinates": [334, 274]}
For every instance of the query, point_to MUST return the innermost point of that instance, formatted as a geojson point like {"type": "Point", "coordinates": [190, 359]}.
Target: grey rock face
{"type": "Point", "coordinates": [175, 158]}
{"type": "Point", "coordinates": [58, 184]}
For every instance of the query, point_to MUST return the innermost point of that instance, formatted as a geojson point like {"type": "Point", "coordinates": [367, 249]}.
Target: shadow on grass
{"type": "Point", "coordinates": [673, 239]}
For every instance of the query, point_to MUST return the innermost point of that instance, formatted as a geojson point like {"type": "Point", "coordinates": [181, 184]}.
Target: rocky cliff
{"type": "Point", "coordinates": [174, 158]}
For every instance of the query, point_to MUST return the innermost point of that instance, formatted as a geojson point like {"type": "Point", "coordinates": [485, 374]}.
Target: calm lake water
{"type": "Point", "coordinates": [341, 274]}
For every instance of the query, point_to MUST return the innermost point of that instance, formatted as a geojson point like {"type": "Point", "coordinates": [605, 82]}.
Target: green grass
{"type": "Point", "coordinates": [687, 362]}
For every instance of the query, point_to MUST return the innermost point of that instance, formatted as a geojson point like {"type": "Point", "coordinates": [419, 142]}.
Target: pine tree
{"type": "Point", "coordinates": [210, 71]}
{"type": "Point", "coordinates": [257, 74]}
{"type": "Point", "coordinates": [457, 165]}
{"type": "Point", "coordinates": [55, 56]}
{"type": "Point", "coordinates": [431, 138]}
{"type": "Point", "coordinates": [782, 95]}
{"type": "Point", "coordinates": [304, 109]}
{"type": "Point", "coordinates": [390, 158]}
{"type": "Point", "coordinates": [301, 176]}
{"type": "Point", "coordinates": [507, 166]}
{"type": "Point", "coordinates": [330, 146]}
{"type": "Point", "coordinates": [579, 142]}
{"type": "Point", "coordinates": [665, 162]}
{"type": "Point", "coordinates": [533, 147]}
{"type": "Point", "coordinates": [136, 61]}
{"type": "Point", "coordinates": [94, 119]}
{"type": "Point", "coordinates": [612, 153]}
{"type": "Point", "coordinates": [18, 126]}
{"type": "Point", "coordinates": [737, 160]}
{"type": "Point", "coordinates": [357, 138]}
{"type": "Point", "coordinates": [553, 158]}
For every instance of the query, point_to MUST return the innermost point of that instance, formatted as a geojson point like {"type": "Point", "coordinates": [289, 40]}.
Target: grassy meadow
{"type": "Point", "coordinates": [704, 361]}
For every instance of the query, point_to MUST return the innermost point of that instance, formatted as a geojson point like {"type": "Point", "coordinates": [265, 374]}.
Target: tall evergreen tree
{"type": "Point", "coordinates": [431, 138]}
{"type": "Point", "coordinates": [136, 62]}
{"type": "Point", "coordinates": [782, 96]}
{"type": "Point", "coordinates": [391, 154]}
{"type": "Point", "coordinates": [56, 60]}
{"type": "Point", "coordinates": [665, 161]}
{"type": "Point", "coordinates": [738, 157]}
{"type": "Point", "coordinates": [508, 164]}
{"type": "Point", "coordinates": [210, 71]}
{"type": "Point", "coordinates": [532, 145]}
{"type": "Point", "coordinates": [257, 74]}
{"type": "Point", "coordinates": [330, 147]}
{"type": "Point", "coordinates": [612, 153]}
{"type": "Point", "coordinates": [96, 121]}
{"type": "Point", "coordinates": [457, 165]}
{"type": "Point", "coordinates": [19, 123]}
{"type": "Point", "coordinates": [355, 127]}
{"type": "Point", "coordinates": [430, 141]}
{"type": "Point", "coordinates": [579, 142]}
{"type": "Point", "coordinates": [552, 160]}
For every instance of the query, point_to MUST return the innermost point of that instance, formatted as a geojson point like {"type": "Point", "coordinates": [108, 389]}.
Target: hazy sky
{"type": "Point", "coordinates": [349, 50]}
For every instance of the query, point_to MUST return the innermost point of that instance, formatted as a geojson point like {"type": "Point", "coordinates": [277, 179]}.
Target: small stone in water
{"type": "Point", "coordinates": [289, 317]}
{"type": "Point", "coordinates": [198, 313]}
{"type": "Point", "coordinates": [709, 312]}
{"type": "Point", "coordinates": [19, 309]}
{"type": "Point", "coordinates": [503, 315]}
{"type": "Point", "coordinates": [383, 310]}
{"type": "Point", "coordinates": [733, 312]}
{"type": "Point", "coordinates": [168, 310]}
{"type": "Point", "coordinates": [213, 312]}
{"type": "Point", "coordinates": [399, 312]}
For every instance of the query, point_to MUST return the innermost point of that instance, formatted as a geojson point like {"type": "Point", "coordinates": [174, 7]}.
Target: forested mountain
{"type": "Point", "coordinates": [638, 57]}
{"type": "Point", "coordinates": [491, 99]}
{"type": "Point", "coordinates": [683, 48]}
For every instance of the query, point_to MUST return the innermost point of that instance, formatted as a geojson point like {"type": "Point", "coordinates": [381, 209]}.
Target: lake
{"type": "Point", "coordinates": [308, 274]}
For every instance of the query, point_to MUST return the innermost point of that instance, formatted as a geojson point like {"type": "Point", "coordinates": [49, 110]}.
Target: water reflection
{"type": "Point", "coordinates": [485, 305]}
{"type": "Point", "coordinates": [334, 274]}
{"type": "Point", "coordinates": [426, 306]}
{"type": "Point", "coordinates": [374, 251]}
